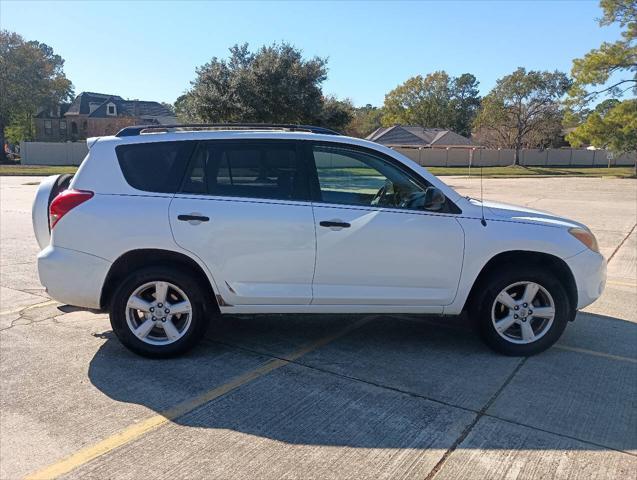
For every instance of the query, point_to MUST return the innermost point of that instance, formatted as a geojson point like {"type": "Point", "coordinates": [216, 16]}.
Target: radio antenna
{"type": "Point", "coordinates": [482, 220]}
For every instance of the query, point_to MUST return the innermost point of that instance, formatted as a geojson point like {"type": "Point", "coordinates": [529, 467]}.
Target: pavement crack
{"type": "Point", "coordinates": [14, 323]}
{"type": "Point", "coordinates": [563, 435]}
{"type": "Point", "coordinates": [22, 315]}
{"type": "Point", "coordinates": [622, 243]}
{"type": "Point", "coordinates": [481, 413]}
{"type": "Point", "coordinates": [535, 200]}
{"type": "Point", "coordinates": [341, 375]}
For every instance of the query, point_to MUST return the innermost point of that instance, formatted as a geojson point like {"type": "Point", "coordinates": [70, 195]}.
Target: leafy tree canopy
{"type": "Point", "coordinates": [275, 84]}
{"type": "Point", "coordinates": [523, 110]}
{"type": "Point", "coordinates": [365, 120]}
{"type": "Point", "coordinates": [185, 109]}
{"type": "Point", "coordinates": [613, 126]}
{"type": "Point", "coordinates": [599, 67]}
{"type": "Point", "coordinates": [31, 77]}
{"type": "Point", "coordinates": [434, 101]}
{"type": "Point", "coordinates": [610, 69]}
{"type": "Point", "coordinates": [335, 113]}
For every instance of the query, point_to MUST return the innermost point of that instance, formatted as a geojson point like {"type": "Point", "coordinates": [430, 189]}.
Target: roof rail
{"type": "Point", "coordinates": [139, 129]}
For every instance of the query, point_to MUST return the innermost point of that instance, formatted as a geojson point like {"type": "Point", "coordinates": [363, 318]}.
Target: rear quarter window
{"type": "Point", "coordinates": [154, 167]}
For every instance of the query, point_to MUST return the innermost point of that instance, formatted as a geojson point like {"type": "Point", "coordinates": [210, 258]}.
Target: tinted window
{"type": "Point", "coordinates": [263, 170]}
{"type": "Point", "coordinates": [154, 167]}
{"type": "Point", "coordinates": [354, 177]}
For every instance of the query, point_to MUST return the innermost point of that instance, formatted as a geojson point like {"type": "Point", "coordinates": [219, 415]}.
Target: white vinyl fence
{"type": "Point", "coordinates": [490, 157]}
{"type": "Point", "coordinates": [49, 153]}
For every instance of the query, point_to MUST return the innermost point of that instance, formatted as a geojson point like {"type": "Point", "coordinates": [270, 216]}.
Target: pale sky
{"type": "Point", "coordinates": [149, 50]}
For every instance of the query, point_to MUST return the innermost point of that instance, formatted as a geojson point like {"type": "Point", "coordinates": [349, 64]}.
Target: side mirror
{"type": "Point", "coordinates": [434, 199]}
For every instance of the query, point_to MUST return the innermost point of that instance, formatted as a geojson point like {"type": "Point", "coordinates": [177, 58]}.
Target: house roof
{"type": "Point", "coordinates": [125, 108]}
{"type": "Point", "coordinates": [46, 112]}
{"type": "Point", "coordinates": [133, 108]}
{"type": "Point", "coordinates": [81, 104]}
{"type": "Point", "coordinates": [404, 135]}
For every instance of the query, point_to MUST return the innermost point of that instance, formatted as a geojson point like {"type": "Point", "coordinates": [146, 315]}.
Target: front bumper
{"type": "Point", "coordinates": [589, 271]}
{"type": "Point", "coordinates": [72, 277]}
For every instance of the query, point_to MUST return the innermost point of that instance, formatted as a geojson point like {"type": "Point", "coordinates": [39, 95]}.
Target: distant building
{"type": "Point", "coordinates": [96, 114]}
{"type": "Point", "coordinates": [410, 136]}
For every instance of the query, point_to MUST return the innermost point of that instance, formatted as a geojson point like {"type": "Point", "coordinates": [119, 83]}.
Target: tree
{"type": "Point", "coordinates": [31, 77]}
{"type": "Point", "coordinates": [609, 70]}
{"type": "Point", "coordinates": [335, 114]}
{"type": "Point", "coordinates": [434, 101]}
{"type": "Point", "coordinates": [185, 109]}
{"type": "Point", "coordinates": [273, 85]}
{"type": "Point", "coordinates": [612, 125]}
{"type": "Point", "coordinates": [365, 120]}
{"type": "Point", "coordinates": [600, 67]}
{"type": "Point", "coordinates": [168, 106]}
{"type": "Point", "coordinates": [523, 110]}
{"type": "Point", "coordinates": [465, 102]}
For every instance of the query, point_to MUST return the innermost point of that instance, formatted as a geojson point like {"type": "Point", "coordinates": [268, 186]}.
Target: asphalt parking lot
{"type": "Point", "coordinates": [330, 396]}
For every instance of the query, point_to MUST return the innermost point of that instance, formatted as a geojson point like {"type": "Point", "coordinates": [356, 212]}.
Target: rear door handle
{"type": "Point", "coordinates": [192, 218]}
{"type": "Point", "coordinates": [334, 224]}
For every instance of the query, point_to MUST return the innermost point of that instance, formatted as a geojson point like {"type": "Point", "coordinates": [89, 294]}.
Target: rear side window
{"type": "Point", "coordinates": [271, 170]}
{"type": "Point", "coordinates": [154, 167]}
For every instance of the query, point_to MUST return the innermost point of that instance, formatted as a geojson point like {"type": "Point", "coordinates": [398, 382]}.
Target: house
{"type": "Point", "coordinates": [96, 114]}
{"type": "Point", "coordinates": [412, 136]}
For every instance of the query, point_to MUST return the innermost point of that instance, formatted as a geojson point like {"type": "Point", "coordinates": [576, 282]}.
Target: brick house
{"type": "Point", "coordinates": [96, 114]}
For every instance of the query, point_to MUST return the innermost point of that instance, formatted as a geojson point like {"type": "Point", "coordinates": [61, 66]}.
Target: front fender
{"type": "Point", "coordinates": [483, 243]}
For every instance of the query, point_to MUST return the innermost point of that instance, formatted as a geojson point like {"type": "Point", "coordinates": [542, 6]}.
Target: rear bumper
{"type": "Point", "coordinates": [589, 271]}
{"type": "Point", "coordinates": [72, 277]}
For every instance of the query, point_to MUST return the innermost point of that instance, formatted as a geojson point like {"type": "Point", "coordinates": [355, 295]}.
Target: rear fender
{"type": "Point", "coordinates": [48, 189]}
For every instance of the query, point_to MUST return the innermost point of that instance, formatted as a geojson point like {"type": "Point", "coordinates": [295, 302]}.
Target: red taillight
{"type": "Point", "coordinates": [65, 202]}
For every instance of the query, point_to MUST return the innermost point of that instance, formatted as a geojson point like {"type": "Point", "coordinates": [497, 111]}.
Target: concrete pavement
{"type": "Point", "coordinates": [324, 396]}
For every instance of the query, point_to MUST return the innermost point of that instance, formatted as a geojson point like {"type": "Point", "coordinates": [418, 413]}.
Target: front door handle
{"type": "Point", "coordinates": [334, 224]}
{"type": "Point", "coordinates": [193, 218]}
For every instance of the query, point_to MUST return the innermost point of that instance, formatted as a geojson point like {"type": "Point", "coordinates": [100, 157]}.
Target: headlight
{"type": "Point", "coordinates": [586, 237]}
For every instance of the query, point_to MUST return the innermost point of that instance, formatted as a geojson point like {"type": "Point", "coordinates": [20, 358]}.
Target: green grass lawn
{"type": "Point", "coordinates": [44, 170]}
{"type": "Point", "coordinates": [511, 171]}
{"type": "Point", "coordinates": [517, 171]}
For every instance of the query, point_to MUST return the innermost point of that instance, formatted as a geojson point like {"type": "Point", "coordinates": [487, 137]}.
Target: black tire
{"type": "Point", "coordinates": [491, 287]}
{"type": "Point", "coordinates": [199, 321]}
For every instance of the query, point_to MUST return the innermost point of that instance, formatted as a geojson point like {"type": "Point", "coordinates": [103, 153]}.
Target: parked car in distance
{"type": "Point", "coordinates": [167, 227]}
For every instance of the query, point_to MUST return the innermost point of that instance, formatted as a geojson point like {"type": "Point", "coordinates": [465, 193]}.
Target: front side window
{"type": "Point", "coordinates": [268, 170]}
{"type": "Point", "coordinates": [154, 167]}
{"type": "Point", "coordinates": [354, 177]}
{"type": "Point", "coordinates": [48, 127]}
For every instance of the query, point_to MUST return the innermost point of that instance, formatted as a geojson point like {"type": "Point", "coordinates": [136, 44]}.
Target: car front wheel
{"type": "Point", "coordinates": [523, 312]}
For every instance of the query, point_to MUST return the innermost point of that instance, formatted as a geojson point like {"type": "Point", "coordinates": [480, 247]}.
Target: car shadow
{"type": "Point", "coordinates": [380, 386]}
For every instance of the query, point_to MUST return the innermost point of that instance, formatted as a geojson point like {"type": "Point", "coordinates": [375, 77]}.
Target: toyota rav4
{"type": "Point", "coordinates": [167, 227]}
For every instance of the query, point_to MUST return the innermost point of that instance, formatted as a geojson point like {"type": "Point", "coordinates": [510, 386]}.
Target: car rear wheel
{"type": "Point", "coordinates": [159, 312]}
{"type": "Point", "coordinates": [522, 311]}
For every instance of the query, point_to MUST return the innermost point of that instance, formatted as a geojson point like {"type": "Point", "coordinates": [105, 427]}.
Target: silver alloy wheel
{"type": "Point", "coordinates": [523, 312]}
{"type": "Point", "coordinates": [158, 313]}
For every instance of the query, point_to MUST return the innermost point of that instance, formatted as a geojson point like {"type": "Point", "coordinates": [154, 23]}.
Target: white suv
{"type": "Point", "coordinates": [167, 227]}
